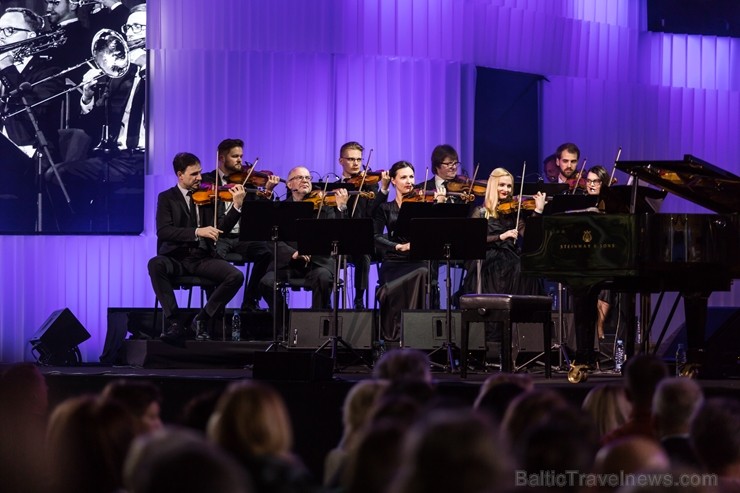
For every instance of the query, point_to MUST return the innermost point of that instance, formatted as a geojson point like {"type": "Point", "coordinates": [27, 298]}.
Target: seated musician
{"type": "Point", "coordinates": [350, 159]}
{"type": "Point", "coordinates": [445, 163]}
{"type": "Point", "coordinates": [566, 159]}
{"type": "Point", "coordinates": [230, 170]}
{"type": "Point", "coordinates": [186, 245]}
{"type": "Point", "coordinates": [402, 280]}
{"type": "Point", "coordinates": [500, 271]}
{"type": "Point", "coordinates": [317, 270]}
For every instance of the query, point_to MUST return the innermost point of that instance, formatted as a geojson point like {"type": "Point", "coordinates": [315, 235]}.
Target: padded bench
{"type": "Point", "coordinates": [509, 309]}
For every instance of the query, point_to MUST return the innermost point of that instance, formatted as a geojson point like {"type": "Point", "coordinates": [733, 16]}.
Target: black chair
{"type": "Point", "coordinates": [508, 309]}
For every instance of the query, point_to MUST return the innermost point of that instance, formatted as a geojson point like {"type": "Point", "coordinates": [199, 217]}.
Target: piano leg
{"type": "Point", "coordinates": [584, 314]}
{"type": "Point", "coordinates": [695, 307]}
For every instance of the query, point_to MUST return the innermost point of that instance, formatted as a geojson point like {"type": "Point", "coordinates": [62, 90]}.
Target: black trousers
{"type": "Point", "coordinates": [162, 268]}
{"type": "Point", "coordinates": [362, 274]}
{"type": "Point", "coordinates": [257, 252]}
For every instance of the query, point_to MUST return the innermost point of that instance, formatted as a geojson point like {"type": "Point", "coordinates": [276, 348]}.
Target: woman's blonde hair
{"type": "Point", "coordinates": [490, 202]}
{"type": "Point", "coordinates": [251, 419]}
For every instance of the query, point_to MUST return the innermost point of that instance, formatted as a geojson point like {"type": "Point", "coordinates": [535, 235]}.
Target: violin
{"type": "Point", "coordinates": [250, 176]}
{"type": "Point", "coordinates": [429, 196]}
{"type": "Point", "coordinates": [576, 183]}
{"type": "Point", "coordinates": [371, 178]}
{"type": "Point", "coordinates": [329, 199]}
{"type": "Point", "coordinates": [206, 194]}
{"type": "Point", "coordinates": [527, 204]}
{"type": "Point", "coordinates": [462, 184]}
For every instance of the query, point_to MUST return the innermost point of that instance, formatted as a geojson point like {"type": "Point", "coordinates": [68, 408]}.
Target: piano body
{"type": "Point", "coordinates": [636, 251]}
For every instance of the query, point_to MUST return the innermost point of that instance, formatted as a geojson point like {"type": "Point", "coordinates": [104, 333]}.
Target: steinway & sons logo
{"type": "Point", "coordinates": [587, 243]}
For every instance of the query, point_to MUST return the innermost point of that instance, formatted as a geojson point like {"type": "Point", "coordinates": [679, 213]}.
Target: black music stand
{"type": "Point", "coordinates": [336, 237]}
{"type": "Point", "coordinates": [550, 189]}
{"type": "Point", "coordinates": [264, 220]}
{"type": "Point", "coordinates": [444, 239]}
{"type": "Point", "coordinates": [427, 210]}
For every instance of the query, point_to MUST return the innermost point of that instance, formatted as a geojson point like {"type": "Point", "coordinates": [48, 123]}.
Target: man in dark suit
{"type": "Point", "coordinates": [350, 159]}
{"type": "Point", "coordinates": [18, 77]}
{"type": "Point", "coordinates": [230, 158]}
{"type": "Point", "coordinates": [186, 245]}
{"type": "Point", "coordinates": [317, 270]}
{"type": "Point", "coordinates": [445, 164]}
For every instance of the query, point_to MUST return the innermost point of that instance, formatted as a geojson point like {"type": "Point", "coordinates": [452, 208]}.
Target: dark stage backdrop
{"type": "Point", "coordinates": [296, 79]}
{"type": "Point", "coordinates": [507, 122]}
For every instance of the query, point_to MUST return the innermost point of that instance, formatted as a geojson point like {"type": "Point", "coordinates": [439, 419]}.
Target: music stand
{"type": "Point", "coordinates": [444, 239]}
{"type": "Point", "coordinates": [336, 237]}
{"type": "Point", "coordinates": [264, 220]}
{"type": "Point", "coordinates": [427, 210]}
{"type": "Point", "coordinates": [550, 189]}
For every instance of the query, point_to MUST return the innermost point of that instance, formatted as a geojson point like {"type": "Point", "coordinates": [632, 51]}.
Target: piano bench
{"type": "Point", "coordinates": [509, 309]}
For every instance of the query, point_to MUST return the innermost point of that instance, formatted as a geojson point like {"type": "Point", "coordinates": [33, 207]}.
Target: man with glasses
{"type": "Point", "coordinates": [445, 165]}
{"type": "Point", "coordinates": [350, 159]}
{"type": "Point", "coordinates": [19, 77]}
{"type": "Point", "coordinates": [317, 270]}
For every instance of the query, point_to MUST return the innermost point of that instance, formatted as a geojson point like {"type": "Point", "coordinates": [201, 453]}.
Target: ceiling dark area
{"type": "Point", "coordinates": [707, 17]}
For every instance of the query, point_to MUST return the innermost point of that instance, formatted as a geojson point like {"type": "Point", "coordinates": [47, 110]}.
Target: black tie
{"type": "Point", "coordinates": [136, 115]}
{"type": "Point", "coordinates": [193, 212]}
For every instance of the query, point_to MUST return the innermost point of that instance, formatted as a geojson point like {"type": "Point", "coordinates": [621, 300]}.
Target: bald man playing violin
{"type": "Point", "coordinates": [186, 244]}
{"type": "Point", "coordinates": [317, 270]}
{"type": "Point", "coordinates": [230, 164]}
{"type": "Point", "coordinates": [350, 159]}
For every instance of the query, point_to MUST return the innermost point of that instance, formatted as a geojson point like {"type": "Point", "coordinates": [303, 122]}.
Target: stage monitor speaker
{"type": "Point", "coordinates": [292, 365]}
{"type": "Point", "coordinates": [425, 330]}
{"type": "Point", "coordinates": [311, 329]}
{"type": "Point", "coordinates": [57, 339]}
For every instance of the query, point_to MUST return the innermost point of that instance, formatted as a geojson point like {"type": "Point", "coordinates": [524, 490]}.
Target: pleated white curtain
{"type": "Point", "coordinates": [295, 79]}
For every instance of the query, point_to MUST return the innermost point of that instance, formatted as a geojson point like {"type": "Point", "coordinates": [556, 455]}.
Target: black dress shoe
{"type": "Point", "coordinates": [359, 304]}
{"type": "Point", "coordinates": [200, 327]}
{"type": "Point", "coordinates": [251, 306]}
{"type": "Point", "coordinates": [173, 335]}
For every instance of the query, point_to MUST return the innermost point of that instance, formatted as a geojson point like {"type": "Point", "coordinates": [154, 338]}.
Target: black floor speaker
{"type": "Point", "coordinates": [426, 330]}
{"type": "Point", "coordinates": [292, 365]}
{"type": "Point", "coordinates": [57, 339]}
{"type": "Point", "coordinates": [311, 329]}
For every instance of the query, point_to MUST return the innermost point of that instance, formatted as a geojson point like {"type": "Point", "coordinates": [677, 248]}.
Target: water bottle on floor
{"type": "Point", "coordinates": [680, 359]}
{"type": "Point", "coordinates": [619, 356]}
{"type": "Point", "coordinates": [236, 326]}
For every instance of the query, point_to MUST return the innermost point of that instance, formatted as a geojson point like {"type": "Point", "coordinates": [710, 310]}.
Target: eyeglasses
{"type": "Point", "coordinates": [453, 164]}
{"type": "Point", "coordinates": [300, 178]}
{"type": "Point", "coordinates": [593, 182]}
{"type": "Point", "coordinates": [135, 28]}
{"type": "Point", "coordinates": [9, 31]}
{"type": "Point", "coordinates": [353, 159]}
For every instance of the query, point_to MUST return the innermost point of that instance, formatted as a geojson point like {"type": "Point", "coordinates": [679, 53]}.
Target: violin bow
{"type": "Point", "coordinates": [323, 196]}
{"type": "Point", "coordinates": [215, 200]}
{"type": "Point", "coordinates": [521, 191]}
{"type": "Point", "coordinates": [472, 182]}
{"type": "Point", "coordinates": [251, 169]}
{"type": "Point", "coordinates": [578, 177]}
{"type": "Point", "coordinates": [362, 182]}
{"type": "Point", "coordinates": [614, 168]}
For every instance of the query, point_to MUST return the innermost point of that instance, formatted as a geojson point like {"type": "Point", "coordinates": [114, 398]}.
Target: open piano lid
{"type": "Point", "coordinates": [692, 179]}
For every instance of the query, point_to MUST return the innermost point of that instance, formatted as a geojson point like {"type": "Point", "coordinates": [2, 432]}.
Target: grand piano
{"type": "Point", "coordinates": [631, 249]}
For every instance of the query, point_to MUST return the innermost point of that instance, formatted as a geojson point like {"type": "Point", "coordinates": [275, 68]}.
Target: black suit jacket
{"type": "Point", "coordinates": [175, 235]}
{"type": "Point", "coordinates": [20, 129]}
